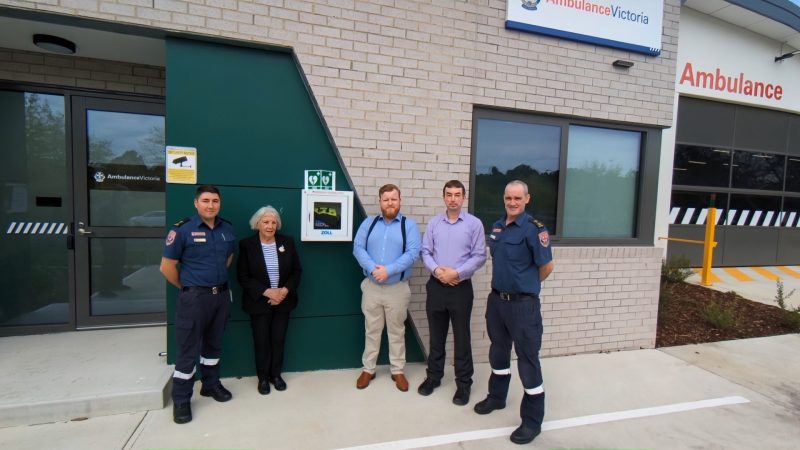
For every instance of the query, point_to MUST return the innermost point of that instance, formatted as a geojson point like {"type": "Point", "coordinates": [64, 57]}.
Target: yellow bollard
{"type": "Point", "coordinates": [708, 247]}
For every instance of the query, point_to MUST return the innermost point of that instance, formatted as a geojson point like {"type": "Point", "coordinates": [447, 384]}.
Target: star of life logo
{"type": "Point", "coordinates": [99, 177]}
{"type": "Point", "coordinates": [530, 5]}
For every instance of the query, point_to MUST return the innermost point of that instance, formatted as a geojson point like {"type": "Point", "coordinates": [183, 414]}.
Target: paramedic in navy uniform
{"type": "Point", "coordinates": [203, 244]}
{"type": "Point", "coordinates": [521, 260]}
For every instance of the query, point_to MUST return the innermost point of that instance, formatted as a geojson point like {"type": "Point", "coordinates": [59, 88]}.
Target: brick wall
{"type": "Point", "coordinates": [397, 80]}
{"type": "Point", "coordinates": [84, 73]}
{"type": "Point", "coordinates": [597, 299]}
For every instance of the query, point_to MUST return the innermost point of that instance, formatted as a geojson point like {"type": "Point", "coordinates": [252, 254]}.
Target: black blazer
{"type": "Point", "coordinates": [251, 271]}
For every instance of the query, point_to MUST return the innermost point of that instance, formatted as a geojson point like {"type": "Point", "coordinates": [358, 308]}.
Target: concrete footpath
{"type": "Point", "coordinates": [741, 394]}
{"type": "Point", "coordinates": [758, 284]}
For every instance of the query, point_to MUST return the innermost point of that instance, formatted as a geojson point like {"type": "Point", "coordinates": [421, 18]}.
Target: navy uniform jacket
{"type": "Point", "coordinates": [518, 250]}
{"type": "Point", "coordinates": [203, 253]}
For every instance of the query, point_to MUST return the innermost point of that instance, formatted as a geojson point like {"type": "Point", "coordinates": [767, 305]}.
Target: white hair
{"type": "Point", "coordinates": [264, 211]}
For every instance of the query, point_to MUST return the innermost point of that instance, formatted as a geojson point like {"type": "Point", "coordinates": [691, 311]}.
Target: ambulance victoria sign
{"type": "Point", "coordinates": [633, 25]}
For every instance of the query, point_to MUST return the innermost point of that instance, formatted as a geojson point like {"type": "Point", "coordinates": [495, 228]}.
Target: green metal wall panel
{"type": "Point", "coordinates": [248, 113]}
{"type": "Point", "coordinates": [256, 130]}
{"type": "Point", "coordinates": [312, 343]}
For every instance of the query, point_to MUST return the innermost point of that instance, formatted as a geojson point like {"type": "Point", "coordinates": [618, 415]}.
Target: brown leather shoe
{"type": "Point", "coordinates": [400, 381]}
{"type": "Point", "coordinates": [364, 379]}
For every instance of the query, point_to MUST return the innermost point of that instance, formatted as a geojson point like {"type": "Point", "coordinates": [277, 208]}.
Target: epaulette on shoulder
{"type": "Point", "coordinates": [181, 222]}
{"type": "Point", "coordinates": [225, 220]}
{"type": "Point", "coordinates": [537, 222]}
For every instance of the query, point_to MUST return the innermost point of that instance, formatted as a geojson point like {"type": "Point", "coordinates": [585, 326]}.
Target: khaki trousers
{"type": "Point", "coordinates": [387, 304]}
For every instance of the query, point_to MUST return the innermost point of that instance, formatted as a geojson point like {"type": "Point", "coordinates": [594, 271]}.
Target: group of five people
{"type": "Point", "coordinates": [198, 251]}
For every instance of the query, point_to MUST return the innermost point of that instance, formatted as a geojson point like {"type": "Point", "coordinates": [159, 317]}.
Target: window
{"type": "Point", "coordinates": [753, 210]}
{"type": "Point", "coordinates": [584, 177]}
{"type": "Point", "coordinates": [793, 174]}
{"type": "Point", "coordinates": [601, 182]}
{"type": "Point", "coordinates": [753, 170]}
{"type": "Point", "coordinates": [701, 166]}
{"type": "Point", "coordinates": [691, 208]}
{"type": "Point", "coordinates": [516, 151]}
{"type": "Point", "coordinates": [790, 215]}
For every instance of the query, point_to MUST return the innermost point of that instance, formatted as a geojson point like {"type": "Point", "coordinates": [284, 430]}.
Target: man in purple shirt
{"type": "Point", "coordinates": [453, 248]}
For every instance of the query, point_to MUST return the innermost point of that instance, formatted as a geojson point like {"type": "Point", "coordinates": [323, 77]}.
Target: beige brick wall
{"type": "Point", "coordinates": [84, 73]}
{"type": "Point", "coordinates": [397, 80]}
{"type": "Point", "coordinates": [597, 299]}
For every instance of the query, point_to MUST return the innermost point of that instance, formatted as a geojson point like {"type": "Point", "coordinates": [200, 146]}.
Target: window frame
{"type": "Point", "coordinates": [646, 186]}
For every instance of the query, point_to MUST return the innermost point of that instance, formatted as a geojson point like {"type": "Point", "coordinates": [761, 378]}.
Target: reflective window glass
{"type": "Point", "coordinates": [691, 208]}
{"type": "Point", "coordinates": [601, 182]}
{"type": "Point", "coordinates": [757, 170]}
{"type": "Point", "coordinates": [701, 166]}
{"type": "Point", "coordinates": [753, 210]}
{"type": "Point", "coordinates": [790, 216]}
{"type": "Point", "coordinates": [125, 278]}
{"type": "Point", "coordinates": [35, 210]}
{"type": "Point", "coordinates": [793, 174]}
{"type": "Point", "coordinates": [506, 151]}
{"type": "Point", "coordinates": [126, 169]}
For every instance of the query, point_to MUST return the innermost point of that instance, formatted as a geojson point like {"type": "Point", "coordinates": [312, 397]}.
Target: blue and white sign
{"type": "Point", "coordinates": [633, 25]}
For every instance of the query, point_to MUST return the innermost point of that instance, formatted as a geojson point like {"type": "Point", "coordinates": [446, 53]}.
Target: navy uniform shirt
{"type": "Point", "coordinates": [518, 250]}
{"type": "Point", "coordinates": [203, 253]}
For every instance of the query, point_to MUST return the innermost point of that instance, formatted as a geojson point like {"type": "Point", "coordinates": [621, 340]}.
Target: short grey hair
{"type": "Point", "coordinates": [263, 211]}
{"type": "Point", "coordinates": [518, 183]}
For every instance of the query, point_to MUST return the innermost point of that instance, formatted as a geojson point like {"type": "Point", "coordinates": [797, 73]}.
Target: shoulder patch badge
{"type": "Point", "coordinates": [544, 238]}
{"type": "Point", "coordinates": [171, 237]}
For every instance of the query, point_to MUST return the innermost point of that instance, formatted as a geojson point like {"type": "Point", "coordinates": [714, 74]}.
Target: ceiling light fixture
{"type": "Point", "coordinates": [54, 44]}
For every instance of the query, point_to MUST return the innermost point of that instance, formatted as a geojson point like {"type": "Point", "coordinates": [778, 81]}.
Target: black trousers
{"type": "Point", "coordinates": [200, 320]}
{"type": "Point", "coordinates": [269, 337]}
{"type": "Point", "coordinates": [517, 322]}
{"type": "Point", "coordinates": [445, 304]}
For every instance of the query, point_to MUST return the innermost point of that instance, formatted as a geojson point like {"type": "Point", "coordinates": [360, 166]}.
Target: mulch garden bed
{"type": "Point", "coordinates": [681, 318]}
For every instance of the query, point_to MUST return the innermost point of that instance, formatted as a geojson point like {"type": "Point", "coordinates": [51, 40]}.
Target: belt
{"type": "Point", "coordinates": [468, 280]}
{"type": "Point", "coordinates": [512, 297]}
{"type": "Point", "coordinates": [206, 289]}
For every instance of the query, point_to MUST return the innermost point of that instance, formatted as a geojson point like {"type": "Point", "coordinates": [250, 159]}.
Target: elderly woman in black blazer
{"type": "Point", "coordinates": [269, 273]}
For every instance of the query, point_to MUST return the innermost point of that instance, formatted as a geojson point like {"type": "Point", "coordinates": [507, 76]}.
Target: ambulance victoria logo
{"type": "Point", "coordinates": [99, 177]}
{"type": "Point", "coordinates": [530, 5]}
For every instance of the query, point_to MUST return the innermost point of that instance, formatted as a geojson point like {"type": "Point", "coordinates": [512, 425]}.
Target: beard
{"type": "Point", "coordinates": [389, 214]}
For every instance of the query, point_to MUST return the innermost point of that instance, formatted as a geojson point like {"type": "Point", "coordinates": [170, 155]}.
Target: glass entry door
{"type": "Point", "coordinates": [35, 210]}
{"type": "Point", "coordinates": [119, 222]}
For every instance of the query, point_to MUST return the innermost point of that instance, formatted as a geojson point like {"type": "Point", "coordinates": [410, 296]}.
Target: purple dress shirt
{"type": "Point", "coordinates": [460, 245]}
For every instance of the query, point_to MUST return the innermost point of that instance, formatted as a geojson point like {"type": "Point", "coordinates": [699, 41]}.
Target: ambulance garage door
{"type": "Point", "coordinates": [745, 162]}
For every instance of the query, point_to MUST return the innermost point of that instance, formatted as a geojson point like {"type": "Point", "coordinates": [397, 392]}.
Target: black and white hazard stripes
{"type": "Point", "coordinates": [733, 217]}
{"type": "Point", "coordinates": [37, 228]}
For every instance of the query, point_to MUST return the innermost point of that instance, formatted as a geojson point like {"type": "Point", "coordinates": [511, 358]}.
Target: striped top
{"type": "Point", "coordinates": [271, 260]}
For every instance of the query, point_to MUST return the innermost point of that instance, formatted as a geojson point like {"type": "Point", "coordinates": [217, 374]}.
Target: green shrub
{"type": "Point", "coordinates": [781, 296]}
{"type": "Point", "coordinates": [664, 299]}
{"type": "Point", "coordinates": [791, 319]}
{"type": "Point", "coordinates": [791, 316]}
{"type": "Point", "coordinates": [675, 270]}
{"type": "Point", "coordinates": [719, 316]}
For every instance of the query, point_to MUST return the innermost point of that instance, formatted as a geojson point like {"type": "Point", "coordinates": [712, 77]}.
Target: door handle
{"type": "Point", "coordinates": [82, 230]}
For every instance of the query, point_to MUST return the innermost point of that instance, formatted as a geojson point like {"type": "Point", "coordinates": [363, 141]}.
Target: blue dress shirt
{"type": "Point", "coordinates": [385, 247]}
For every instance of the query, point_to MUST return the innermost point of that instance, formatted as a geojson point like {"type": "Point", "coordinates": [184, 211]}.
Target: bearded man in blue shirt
{"type": "Point", "coordinates": [386, 247]}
